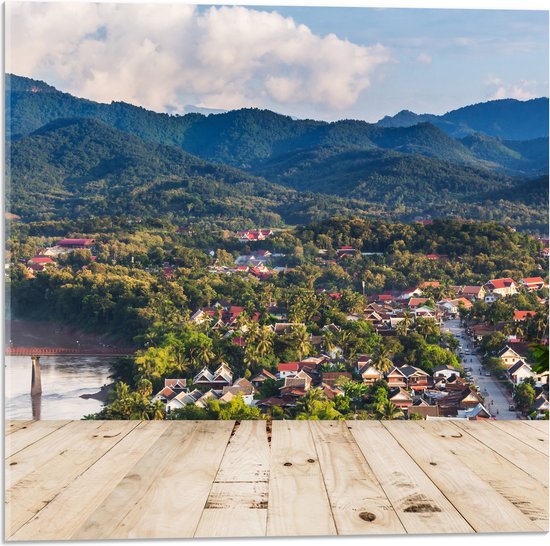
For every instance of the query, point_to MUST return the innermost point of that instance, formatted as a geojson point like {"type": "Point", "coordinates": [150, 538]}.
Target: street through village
{"type": "Point", "coordinates": [497, 400]}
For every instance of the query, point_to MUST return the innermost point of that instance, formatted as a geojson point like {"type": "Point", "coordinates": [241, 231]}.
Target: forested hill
{"type": "Point", "coordinates": [247, 138]}
{"type": "Point", "coordinates": [508, 119]}
{"type": "Point", "coordinates": [70, 156]}
{"type": "Point", "coordinates": [81, 167]}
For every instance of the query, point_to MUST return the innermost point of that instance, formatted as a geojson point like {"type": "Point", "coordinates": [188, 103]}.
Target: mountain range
{"type": "Point", "coordinates": [69, 156]}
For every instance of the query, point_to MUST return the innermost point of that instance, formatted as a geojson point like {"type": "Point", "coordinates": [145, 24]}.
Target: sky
{"type": "Point", "coordinates": [308, 62]}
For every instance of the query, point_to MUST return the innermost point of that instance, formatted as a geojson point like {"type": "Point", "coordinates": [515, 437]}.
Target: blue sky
{"type": "Point", "coordinates": [445, 58]}
{"type": "Point", "coordinates": [324, 63]}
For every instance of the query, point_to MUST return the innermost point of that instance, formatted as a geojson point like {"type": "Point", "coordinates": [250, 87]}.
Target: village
{"type": "Point", "coordinates": [447, 392]}
{"type": "Point", "coordinates": [479, 368]}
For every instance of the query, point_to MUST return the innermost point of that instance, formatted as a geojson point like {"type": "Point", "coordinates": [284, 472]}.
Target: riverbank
{"type": "Point", "coordinates": [43, 333]}
{"type": "Point", "coordinates": [102, 395]}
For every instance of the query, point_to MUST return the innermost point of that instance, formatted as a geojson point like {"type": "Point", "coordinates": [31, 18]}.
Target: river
{"type": "Point", "coordinates": [64, 380]}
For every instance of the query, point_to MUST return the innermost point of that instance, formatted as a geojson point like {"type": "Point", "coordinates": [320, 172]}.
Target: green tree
{"type": "Point", "coordinates": [524, 396]}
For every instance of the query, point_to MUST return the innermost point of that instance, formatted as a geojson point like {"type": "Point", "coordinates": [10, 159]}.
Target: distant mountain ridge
{"type": "Point", "coordinates": [71, 156]}
{"type": "Point", "coordinates": [248, 137]}
{"type": "Point", "coordinates": [508, 119]}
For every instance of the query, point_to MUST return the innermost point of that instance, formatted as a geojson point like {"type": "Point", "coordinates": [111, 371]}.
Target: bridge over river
{"type": "Point", "coordinates": [37, 352]}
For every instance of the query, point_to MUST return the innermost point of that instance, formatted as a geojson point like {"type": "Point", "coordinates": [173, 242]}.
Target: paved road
{"type": "Point", "coordinates": [497, 400]}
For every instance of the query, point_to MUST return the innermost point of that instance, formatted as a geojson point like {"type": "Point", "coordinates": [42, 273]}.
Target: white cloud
{"type": "Point", "coordinates": [522, 90]}
{"type": "Point", "coordinates": [165, 56]}
{"type": "Point", "coordinates": [424, 58]}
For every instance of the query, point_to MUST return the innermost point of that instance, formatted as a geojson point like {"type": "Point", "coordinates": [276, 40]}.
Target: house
{"type": "Point", "coordinates": [280, 328]}
{"type": "Point", "coordinates": [40, 263]}
{"type": "Point", "coordinates": [400, 397]}
{"type": "Point", "coordinates": [396, 378]}
{"type": "Point", "coordinates": [202, 401]}
{"type": "Point", "coordinates": [500, 287]}
{"type": "Point", "coordinates": [369, 374]}
{"type": "Point", "coordinates": [414, 303]}
{"type": "Point", "coordinates": [165, 395]}
{"type": "Point", "coordinates": [345, 251]}
{"type": "Point", "coordinates": [508, 356]}
{"type": "Point", "coordinates": [532, 283]}
{"type": "Point", "coordinates": [423, 311]}
{"type": "Point", "coordinates": [287, 369]}
{"type": "Point", "coordinates": [421, 407]}
{"type": "Point", "coordinates": [254, 235]}
{"type": "Point", "coordinates": [410, 293]}
{"type": "Point", "coordinates": [295, 387]}
{"type": "Point", "coordinates": [463, 399]}
{"type": "Point", "coordinates": [472, 292]}
{"type": "Point", "coordinates": [416, 378]}
{"type": "Point", "coordinates": [331, 378]}
{"type": "Point", "coordinates": [519, 372]}
{"type": "Point", "coordinates": [222, 377]}
{"type": "Point", "coordinates": [520, 316]}
{"type": "Point", "coordinates": [445, 371]}
{"type": "Point", "coordinates": [476, 413]}
{"type": "Point", "coordinates": [241, 387]}
{"type": "Point", "coordinates": [183, 399]}
{"type": "Point", "coordinates": [75, 243]}
{"type": "Point", "coordinates": [204, 315]}
{"type": "Point", "coordinates": [433, 257]}
{"type": "Point", "coordinates": [176, 385]}
{"type": "Point", "coordinates": [541, 405]}
{"type": "Point", "coordinates": [258, 380]}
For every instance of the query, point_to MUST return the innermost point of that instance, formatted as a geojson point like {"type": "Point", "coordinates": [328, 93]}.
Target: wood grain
{"type": "Point", "coordinates": [69, 462]}
{"type": "Point", "coordinates": [476, 500]}
{"type": "Point", "coordinates": [70, 509]}
{"type": "Point", "coordinates": [358, 503]}
{"type": "Point", "coordinates": [525, 492]}
{"type": "Point", "coordinates": [237, 503]}
{"type": "Point", "coordinates": [518, 453]}
{"type": "Point", "coordinates": [12, 426]}
{"type": "Point", "coordinates": [519, 430]}
{"type": "Point", "coordinates": [97, 480]}
{"type": "Point", "coordinates": [173, 479]}
{"type": "Point", "coordinates": [29, 433]}
{"type": "Point", "coordinates": [298, 503]}
{"type": "Point", "coordinates": [419, 504]}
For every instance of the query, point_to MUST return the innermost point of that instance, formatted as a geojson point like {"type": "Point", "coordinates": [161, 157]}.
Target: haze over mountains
{"type": "Point", "coordinates": [74, 156]}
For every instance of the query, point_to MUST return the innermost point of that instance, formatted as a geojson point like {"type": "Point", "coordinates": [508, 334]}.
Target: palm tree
{"type": "Point", "coordinates": [381, 360]}
{"type": "Point", "coordinates": [426, 327]}
{"type": "Point", "coordinates": [306, 404]}
{"type": "Point", "coordinates": [388, 410]}
{"type": "Point", "coordinates": [298, 339]}
{"type": "Point", "coordinates": [158, 410]}
{"type": "Point", "coordinates": [264, 341]}
{"type": "Point", "coordinates": [408, 319]}
{"type": "Point", "coordinates": [519, 330]}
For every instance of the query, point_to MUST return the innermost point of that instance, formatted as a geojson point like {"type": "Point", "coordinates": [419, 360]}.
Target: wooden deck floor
{"type": "Point", "coordinates": [119, 479]}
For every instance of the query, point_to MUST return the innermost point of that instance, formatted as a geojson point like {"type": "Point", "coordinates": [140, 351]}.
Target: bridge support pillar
{"type": "Point", "coordinates": [36, 382]}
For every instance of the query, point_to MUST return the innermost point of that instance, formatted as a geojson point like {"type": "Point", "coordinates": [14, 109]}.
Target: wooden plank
{"type": "Point", "coordinates": [518, 453]}
{"type": "Point", "coordinates": [27, 435]}
{"type": "Point", "coordinates": [522, 432]}
{"type": "Point", "coordinates": [164, 494]}
{"type": "Point", "coordinates": [12, 426]}
{"type": "Point", "coordinates": [358, 502]}
{"type": "Point", "coordinates": [523, 491]}
{"type": "Point", "coordinates": [51, 445]}
{"type": "Point", "coordinates": [541, 426]}
{"type": "Point", "coordinates": [482, 507]}
{"type": "Point", "coordinates": [237, 503]}
{"type": "Point", "coordinates": [88, 445]}
{"type": "Point", "coordinates": [298, 503]}
{"type": "Point", "coordinates": [420, 505]}
{"type": "Point", "coordinates": [69, 510]}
